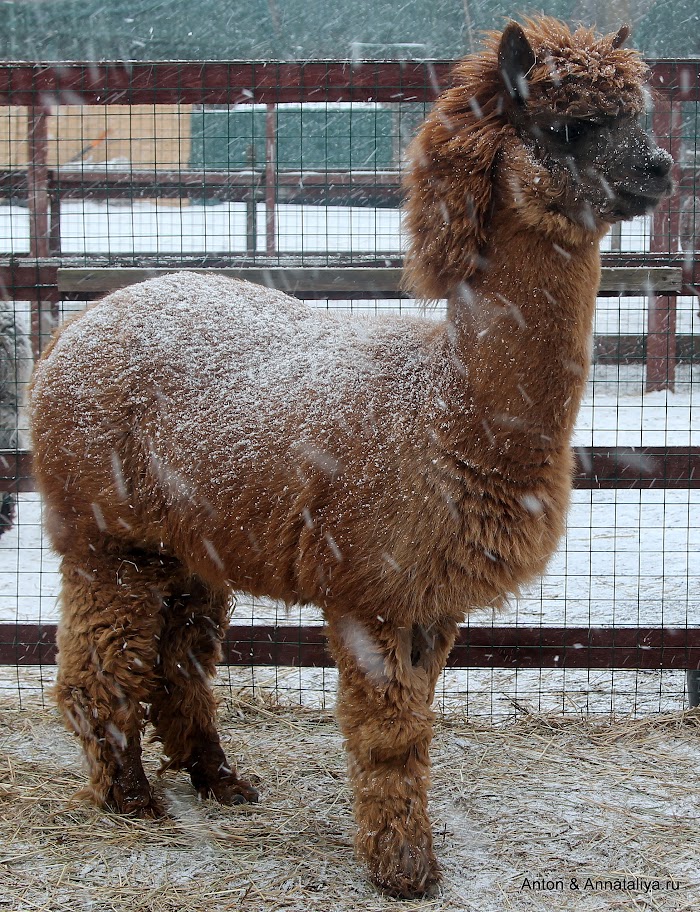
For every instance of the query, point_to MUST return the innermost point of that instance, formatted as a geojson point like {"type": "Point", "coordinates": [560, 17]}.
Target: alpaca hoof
{"type": "Point", "coordinates": [141, 806]}
{"type": "Point", "coordinates": [228, 790]}
{"type": "Point", "coordinates": [399, 867]}
{"type": "Point", "coordinates": [133, 797]}
{"type": "Point", "coordinates": [412, 879]}
{"type": "Point", "coordinates": [145, 810]}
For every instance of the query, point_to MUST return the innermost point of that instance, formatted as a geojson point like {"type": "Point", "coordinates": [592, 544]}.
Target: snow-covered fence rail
{"type": "Point", "coordinates": [51, 280]}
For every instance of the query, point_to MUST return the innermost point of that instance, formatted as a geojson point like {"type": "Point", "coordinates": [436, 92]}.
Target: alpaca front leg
{"type": "Point", "coordinates": [387, 681]}
{"type": "Point", "coordinates": [394, 836]}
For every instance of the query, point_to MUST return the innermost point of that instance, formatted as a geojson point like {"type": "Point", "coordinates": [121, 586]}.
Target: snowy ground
{"type": "Point", "coordinates": [629, 557]}
{"type": "Point", "coordinates": [541, 816]}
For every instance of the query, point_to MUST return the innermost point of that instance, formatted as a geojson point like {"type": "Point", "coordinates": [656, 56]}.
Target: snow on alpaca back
{"type": "Point", "coordinates": [225, 374]}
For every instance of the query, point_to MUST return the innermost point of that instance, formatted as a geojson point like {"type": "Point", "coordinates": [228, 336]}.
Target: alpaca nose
{"type": "Point", "coordinates": [659, 164]}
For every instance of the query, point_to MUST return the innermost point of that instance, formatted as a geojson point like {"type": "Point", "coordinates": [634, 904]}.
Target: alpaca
{"type": "Point", "coordinates": [16, 362]}
{"type": "Point", "coordinates": [196, 436]}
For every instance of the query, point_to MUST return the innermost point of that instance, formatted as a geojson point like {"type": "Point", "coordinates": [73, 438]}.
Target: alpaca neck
{"type": "Point", "coordinates": [519, 336]}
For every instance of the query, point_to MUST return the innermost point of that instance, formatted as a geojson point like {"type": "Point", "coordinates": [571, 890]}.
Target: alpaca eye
{"type": "Point", "coordinates": [569, 132]}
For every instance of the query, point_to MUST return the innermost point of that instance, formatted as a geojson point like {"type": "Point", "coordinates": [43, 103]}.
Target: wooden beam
{"type": "Point", "coordinates": [637, 468]}
{"type": "Point", "coordinates": [641, 280]}
{"type": "Point", "coordinates": [270, 179]}
{"type": "Point", "coordinates": [665, 229]}
{"type": "Point", "coordinates": [344, 281]}
{"type": "Point", "coordinates": [630, 349]}
{"type": "Point", "coordinates": [232, 83]}
{"type": "Point", "coordinates": [597, 468]}
{"type": "Point", "coordinates": [260, 82]}
{"type": "Point", "coordinates": [476, 647]}
{"type": "Point", "coordinates": [38, 179]}
{"type": "Point", "coordinates": [364, 189]}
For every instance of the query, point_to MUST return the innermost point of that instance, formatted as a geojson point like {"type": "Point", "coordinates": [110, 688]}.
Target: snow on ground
{"type": "Point", "coordinates": [541, 816]}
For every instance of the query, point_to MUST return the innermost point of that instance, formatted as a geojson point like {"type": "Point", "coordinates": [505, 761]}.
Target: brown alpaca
{"type": "Point", "coordinates": [196, 436]}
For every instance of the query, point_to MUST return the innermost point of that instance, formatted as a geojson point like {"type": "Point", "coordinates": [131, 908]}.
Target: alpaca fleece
{"type": "Point", "coordinates": [232, 421]}
{"type": "Point", "coordinates": [197, 436]}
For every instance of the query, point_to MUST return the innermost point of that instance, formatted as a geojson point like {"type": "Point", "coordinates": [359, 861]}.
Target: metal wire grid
{"type": "Point", "coordinates": [273, 180]}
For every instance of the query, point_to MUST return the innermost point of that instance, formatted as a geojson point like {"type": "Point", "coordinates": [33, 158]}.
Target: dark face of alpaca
{"type": "Point", "coordinates": [597, 168]}
{"type": "Point", "coordinates": [605, 169]}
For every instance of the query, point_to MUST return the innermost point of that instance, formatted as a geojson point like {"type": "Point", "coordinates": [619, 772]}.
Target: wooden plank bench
{"type": "Point", "coordinates": [341, 281]}
{"type": "Point", "coordinates": [50, 280]}
{"type": "Point", "coordinates": [353, 282]}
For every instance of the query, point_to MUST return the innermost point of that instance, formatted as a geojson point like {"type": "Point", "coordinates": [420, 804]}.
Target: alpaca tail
{"type": "Point", "coordinates": [7, 512]}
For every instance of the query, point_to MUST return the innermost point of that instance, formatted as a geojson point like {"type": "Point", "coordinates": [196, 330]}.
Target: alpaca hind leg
{"type": "Point", "coordinates": [107, 645]}
{"type": "Point", "coordinates": [387, 682]}
{"type": "Point", "coordinates": [183, 707]}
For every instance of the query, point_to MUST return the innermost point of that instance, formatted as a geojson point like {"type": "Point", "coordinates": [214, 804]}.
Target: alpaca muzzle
{"type": "Point", "coordinates": [655, 173]}
{"type": "Point", "coordinates": [645, 182]}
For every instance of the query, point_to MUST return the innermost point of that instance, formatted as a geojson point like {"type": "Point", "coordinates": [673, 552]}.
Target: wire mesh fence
{"type": "Point", "coordinates": [291, 174]}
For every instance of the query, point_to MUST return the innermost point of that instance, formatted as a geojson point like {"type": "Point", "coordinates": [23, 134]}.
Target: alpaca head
{"type": "Point", "coordinates": [545, 124]}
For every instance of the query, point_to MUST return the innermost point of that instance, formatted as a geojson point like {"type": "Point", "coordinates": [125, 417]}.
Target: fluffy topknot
{"type": "Point", "coordinates": [579, 73]}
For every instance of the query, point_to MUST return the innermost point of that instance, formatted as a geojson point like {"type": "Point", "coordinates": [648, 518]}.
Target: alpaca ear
{"type": "Point", "coordinates": [515, 60]}
{"type": "Point", "coordinates": [621, 37]}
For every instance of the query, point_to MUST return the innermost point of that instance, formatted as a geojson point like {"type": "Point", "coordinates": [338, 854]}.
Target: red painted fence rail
{"type": "Point", "coordinates": [476, 647]}
{"type": "Point", "coordinates": [597, 468]}
{"type": "Point", "coordinates": [260, 82]}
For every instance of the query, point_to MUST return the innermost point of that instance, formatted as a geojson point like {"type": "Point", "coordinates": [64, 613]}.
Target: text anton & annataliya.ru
{"type": "Point", "coordinates": [598, 885]}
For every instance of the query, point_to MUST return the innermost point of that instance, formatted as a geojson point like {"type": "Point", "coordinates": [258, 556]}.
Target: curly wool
{"type": "Point", "coordinates": [579, 73]}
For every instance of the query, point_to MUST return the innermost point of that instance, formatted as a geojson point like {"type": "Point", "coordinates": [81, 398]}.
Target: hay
{"type": "Point", "coordinates": [543, 799]}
